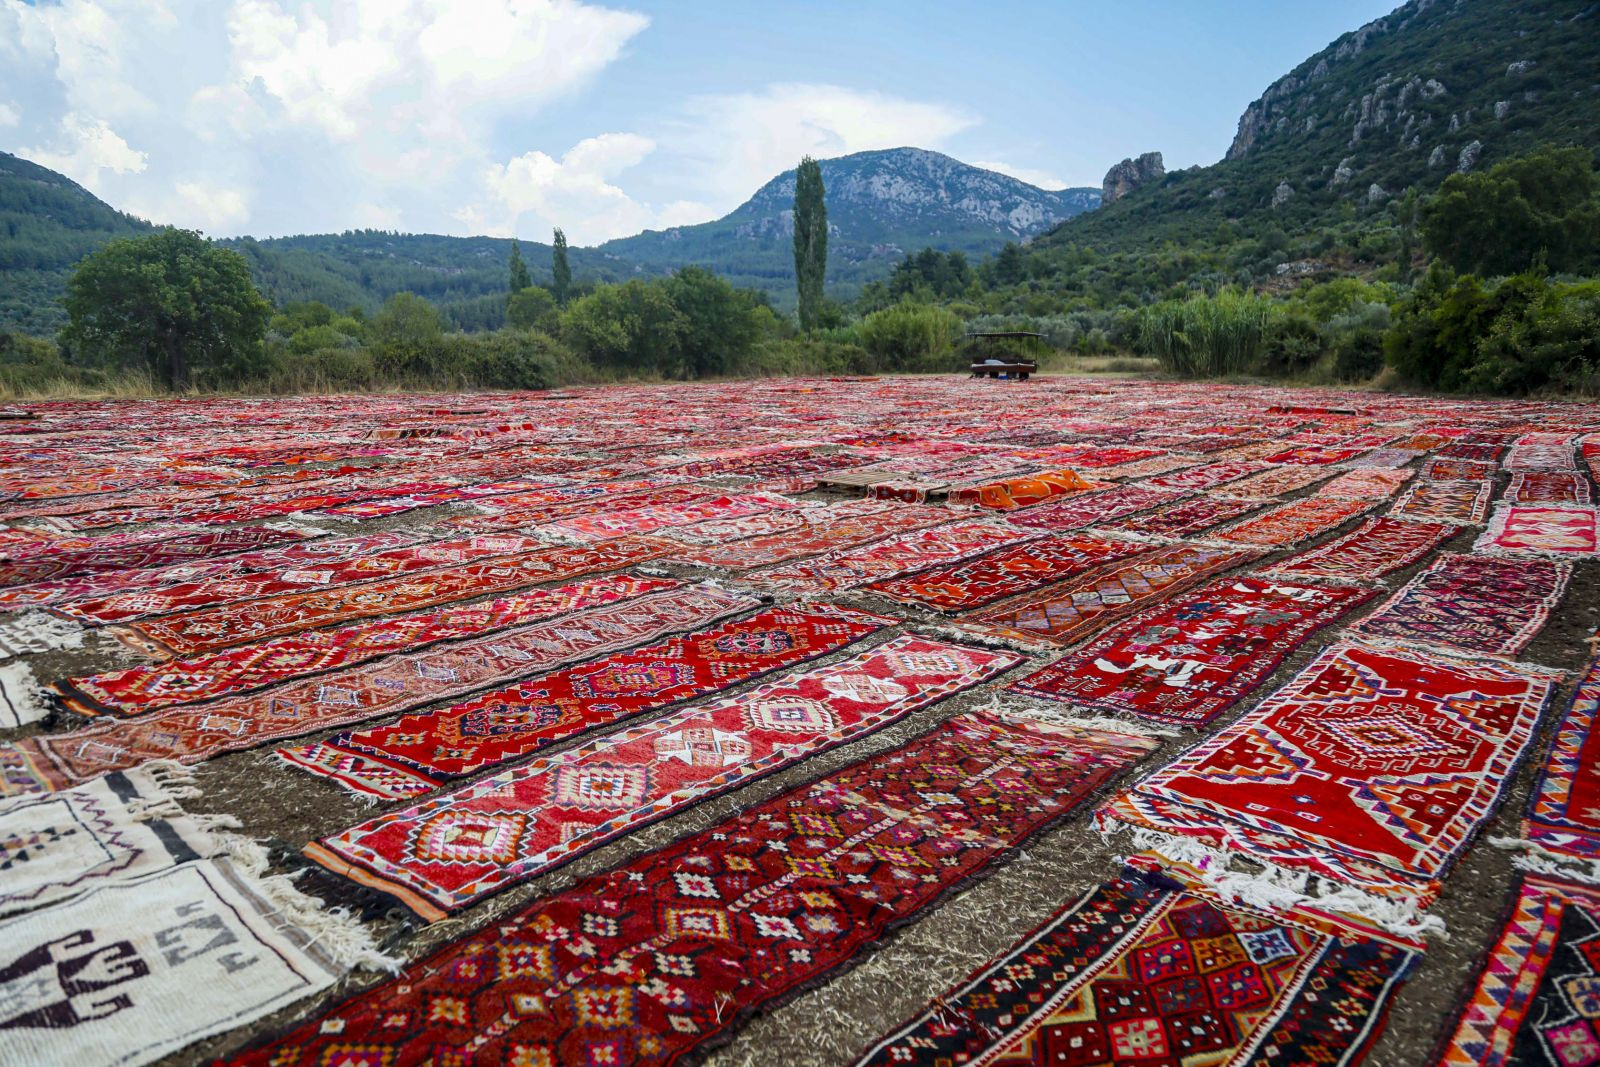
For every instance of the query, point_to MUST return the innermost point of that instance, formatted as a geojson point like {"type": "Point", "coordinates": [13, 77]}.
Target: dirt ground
{"type": "Point", "coordinates": [836, 1020]}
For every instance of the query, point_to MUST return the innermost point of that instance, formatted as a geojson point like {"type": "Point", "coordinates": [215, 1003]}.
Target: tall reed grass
{"type": "Point", "coordinates": [1207, 336]}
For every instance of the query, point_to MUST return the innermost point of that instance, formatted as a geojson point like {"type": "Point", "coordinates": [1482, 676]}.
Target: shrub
{"type": "Point", "coordinates": [912, 337]}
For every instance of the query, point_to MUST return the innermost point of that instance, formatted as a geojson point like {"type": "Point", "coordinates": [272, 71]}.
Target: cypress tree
{"type": "Point", "coordinates": [562, 284]}
{"type": "Point", "coordinates": [520, 278]}
{"type": "Point", "coordinates": [810, 241]}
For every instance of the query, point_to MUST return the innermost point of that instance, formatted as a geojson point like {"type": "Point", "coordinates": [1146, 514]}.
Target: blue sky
{"type": "Point", "coordinates": [510, 116]}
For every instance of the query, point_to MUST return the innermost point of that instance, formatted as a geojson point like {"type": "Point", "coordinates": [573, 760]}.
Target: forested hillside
{"type": "Point", "coordinates": [48, 223]}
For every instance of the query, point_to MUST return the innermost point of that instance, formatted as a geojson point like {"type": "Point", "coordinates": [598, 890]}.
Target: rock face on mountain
{"type": "Point", "coordinates": [881, 206]}
{"type": "Point", "coordinates": [1397, 105]}
{"type": "Point", "coordinates": [1128, 175]}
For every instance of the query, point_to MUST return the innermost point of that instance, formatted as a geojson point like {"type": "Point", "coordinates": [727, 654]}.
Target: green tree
{"type": "Point", "coordinates": [182, 305]}
{"type": "Point", "coordinates": [560, 269]}
{"type": "Point", "coordinates": [721, 324]}
{"type": "Point", "coordinates": [407, 335]}
{"type": "Point", "coordinates": [911, 336]}
{"type": "Point", "coordinates": [1544, 206]}
{"type": "Point", "coordinates": [1010, 265]}
{"type": "Point", "coordinates": [531, 308]}
{"type": "Point", "coordinates": [810, 241]}
{"type": "Point", "coordinates": [520, 278]}
{"type": "Point", "coordinates": [631, 327]}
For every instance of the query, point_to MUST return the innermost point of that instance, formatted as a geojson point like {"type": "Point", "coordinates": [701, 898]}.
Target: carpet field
{"type": "Point", "coordinates": [1073, 721]}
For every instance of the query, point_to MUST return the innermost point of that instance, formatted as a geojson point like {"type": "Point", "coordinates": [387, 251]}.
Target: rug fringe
{"type": "Point", "coordinates": [1276, 888]}
{"type": "Point", "coordinates": [35, 631]}
{"type": "Point", "coordinates": [1534, 857]}
{"type": "Point", "coordinates": [334, 930]}
{"type": "Point", "coordinates": [21, 696]}
{"type": "Point", "coordinates": [1005, 706]}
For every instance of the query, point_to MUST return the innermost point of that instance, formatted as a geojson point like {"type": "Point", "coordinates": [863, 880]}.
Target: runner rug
{"type": "Point", "coordinates": [256, 620]}
{"type": "Point", "coordinates": [419, 753]}
{"type": "Point", "coordinates": [901, 554]}
{"type": "Point", "coordinates": [1370, 484]}
{"type": "Point", "coordinates": [644, 520]}
{"type": "Point", "coordinates": [202, 545]}
{"type": "Point", "coordinates": [1294, 522]}
{"type": "Point", "coordinates": [1021, 492]}
{"type": "Point", "coordinates": [1008, 571]}
{"type": "Point", "coordinates": [723, 531]}
{"type": "Point", "coordinates": [1532, 1005]}
{"type": "Point", "coordinates": [141, 690]}
{"type": "Point", "coordinates": [1086, 509]}
{"type": "Point", "coordinates": [307, 555]}
{"type": "Point", "coordinates": [124, 825]}
{"type": "Point", "coordinates": [1549, 487]}
{"type": "Point", "coordinates": [1564, 818]}
{"type": "Point", "coordinates": [1377, 547]}
{"type": "Point", "coordinates": [1132, 974]}
{"type": "Point", "coordinates": [136, 970]}
{"type": "Point", "coordinates": [1185, 517]}
{"type": "Point", "coordinates": [1464, 503]}
{"type": "Point", "coordinates": [1278, 482]}
{"type": "Point", "coordinates": [643, 963]}
{"type": "Point", "coordinates": [1472, 605]}
{"type": "Point", "coordinates": [390, 685]}
{"type": "Point", "coordinates": [1189, 659]}
{"type": "Point", "coordinates": [444, 853]}
{"type": "Point", "coordinates": [1068, 611]}
{"type": "Point", "coordinates": [1207, 476]}
{"type": "Point", "coordinates": [1563, 531]}
{"type": "Point", "coordinates": [124, 607]}
{"type": "Point", "coordinates": [1372, 767]}
{"type": "Point", "coordinates": [833, 528]}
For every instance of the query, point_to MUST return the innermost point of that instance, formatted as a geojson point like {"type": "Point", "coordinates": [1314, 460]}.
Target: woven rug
{"type": "Point", "coordinates": [761, 904]}
{"type": "Point", "coordinates": [1377, 547]}
{"type": "Point", "coordinates": [308, 555]}
{"type": "Point", "coordinates": [830, 529]}
{"type": "Point", "coordinates": [1134, 974]}
{"type": "Point", "coordinates": [1186, 517]}
{"type": "Point", "coordinates": [1457, 470]}
{"type": "Point", "coordinates": [1371, 484]}
{"type": "Point", "coordinates": [124, 607]}
{"type": "Point", "coordinates": [1562, 531]}
{"type": "Point", "coordinates": [723, 531]}
{"type": "Point", "coordinates": [1207, 476]}
{"type": "Point", "coordinates": [1372, 767]}
{"type": "Point", "coordinates": [1192, 657]}
{"type": "Point", "coordinates": [1532, 1005]}
{"type": "Point", "coordinates": [1089, 508]}
{"type": "Point", "coordinates": [1465, 503]}
{"type": "Point", "coordinates": [386, 686]}
{"type": "Point", "coordinates": [1008, 571]}
{"type": "Point", "coordinates": [1022, 492]}
{"type": "Point", "coordinates": [444, 853]}
{"type": "Point", "coordinates": [141, 690]}
{"type": "Point", "coordinates": [140, 969]}
{"type": "Point", "coordinates": [1277, 482]}
{"type": "Point", "coordinates": [64, 563]}
{"type": "Point", "coordinates": [1470, 604]}
{"type": "Point", "coordinates": [127, 824]}
{"type": "Point", "coordinates": [1068, 611]}
{"type": "Point", "coordinates": [419, 753]}
{"type": "Point", "coordinates": [256, 620]}
{"type": "Point", "coordinates": [1564, 818]}
{"type": "Point", "coordinates": [599, 527]}
{"type": "Point", "coordinates": [1549, 487]}
{"type": "Point", "coordinates": [532, 509]}
{"type": "Point", "coordinates": [901, 554]}
{"type": "Point", "coordinates": [1542, 452]}
{"type": "Point", "coordinates": [1294, 522]}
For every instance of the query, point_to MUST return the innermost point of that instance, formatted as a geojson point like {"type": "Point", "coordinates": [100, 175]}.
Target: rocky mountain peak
{"type": "Point", "coordinates": [1128, 175]}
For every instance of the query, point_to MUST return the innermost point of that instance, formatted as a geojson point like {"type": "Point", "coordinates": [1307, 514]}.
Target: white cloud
{"type": "Point", "coordinates": [534, 191]}
{"type": "Point", "coordinates": [9, 115]}
{"type": "Point", "coordinates": [1043, 179]}
{"type": "Point", "coordinates": [201, 204]}
{"type": "Point", "coordinates": [84, 147]}
{"type": "Point", "coordinates": [736, 142]}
